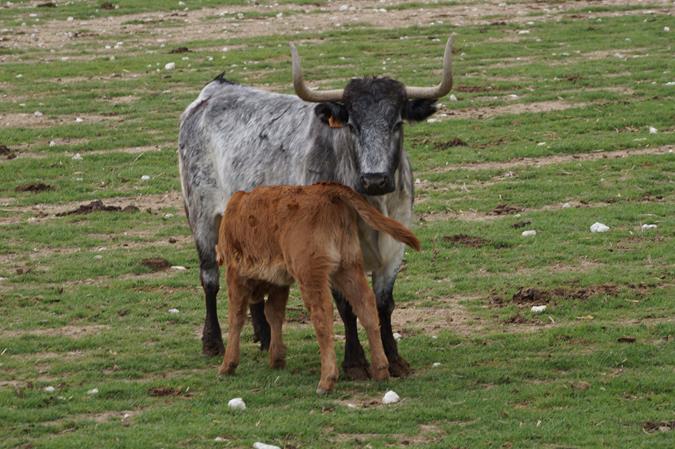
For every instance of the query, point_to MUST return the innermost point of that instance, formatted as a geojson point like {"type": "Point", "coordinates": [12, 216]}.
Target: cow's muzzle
{"type": "Point", "coordinates": [376, 184]}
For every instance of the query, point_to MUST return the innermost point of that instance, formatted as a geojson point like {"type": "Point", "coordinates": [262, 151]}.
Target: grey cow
{"type": "Point", "coordinates": [234, 137]}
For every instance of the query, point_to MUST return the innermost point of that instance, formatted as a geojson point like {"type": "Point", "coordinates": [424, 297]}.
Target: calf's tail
{"type": "Point", "coordinates": [376, 219]}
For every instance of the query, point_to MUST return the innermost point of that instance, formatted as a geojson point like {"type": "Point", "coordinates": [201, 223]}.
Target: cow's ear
{"type": "Point", "coordinates": [332, 114]}
{"type": "Point", "coordinates": [418, 110]}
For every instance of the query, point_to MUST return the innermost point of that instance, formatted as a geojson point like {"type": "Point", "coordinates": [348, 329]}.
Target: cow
{"type": "Point", "coordinates": [273, 236]}
{"type": "Point", "coordinates": [234, 137]}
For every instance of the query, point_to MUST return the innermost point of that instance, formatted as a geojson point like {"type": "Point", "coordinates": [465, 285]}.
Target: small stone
{"type": "Point", "coordinates": [537, 309]}
{"type": "Point", "coordinates": [219, 439]}
{"type": "Point", "coordinates": [397, 336]}
{"type": "Point", "coordinates": [529, 233]}
{"type": "Point", "coordinates": [49, 389]}
{"type": "Point", "coordinates": [38, 114]}
{"type": "Point", "coordinates": [52, 143]}
{"type": "Point", "coordinates": [259, 445]}
{"type": "Point", "coordinates": [77, 157]}
{"type": "Point", "coordinates": [599, 227]}
{"type": "Point", "coordinates": [145, 178]}
{"type": "Point", "coordinates": [436, 364]}
{"type": "Point", "coordinates": [666, 29]}
{"type": "Point", "coordinates": [647, 227]}
{"type": "Point", "coordinates": [236, 404]}
{"type": "Point", "coordinates": [178, 268]}
{"type": "Point", "coordinates": [92, 392]}
{"type": "Point", "coordinates": [390, 397]}
{"type": "Point", "coordinates": [70, 18]}
{"type": "Point", "coordinates": [653, 130]}
{"type": "Point", "coordinates": [524, 32]}
{"type": "Point", "coordinates": [167, 216]}
{"type": "Point", "coordinates": [170, 66]}
{"type": "Point", "coordinates": [452, 97]}
{"type": "Point", "coordinates": [174, 311]}
{"type": "Point", "coordinates": [566, 205]}
{"type": "Point", "coordinates": [79, 119]}
{"type": "Point", "coordinates": [98, 257]}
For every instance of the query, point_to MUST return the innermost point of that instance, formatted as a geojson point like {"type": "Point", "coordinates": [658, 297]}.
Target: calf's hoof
{"type": "Point", "coordinates": [212, 347]}
{"type": "Point", "coordinates": [227, 368]}
{"type": "Point", "coordinates": [326, 386]}
{"type": "Point", "coordinates": [357, 372]}
{"type": "Point", "coordinates": [399, 368]}
{"type": "Point", "coordinates": [380, 373]}
{"type": "Point", "coordinates": [278, 363]}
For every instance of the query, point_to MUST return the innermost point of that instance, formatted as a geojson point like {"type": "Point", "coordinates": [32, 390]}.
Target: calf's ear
{"type": "Point", "coordinates": [332, 114]}
{"type": "Point", "coordinates": [418, 110]}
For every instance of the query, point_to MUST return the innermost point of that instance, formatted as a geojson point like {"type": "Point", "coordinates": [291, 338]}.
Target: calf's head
{"type": "Point", "coordinates": [373, 110]}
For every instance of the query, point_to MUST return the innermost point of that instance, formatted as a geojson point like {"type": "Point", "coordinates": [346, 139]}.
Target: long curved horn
{"type": "Point", "coordinates": [446, 82]}
{"type": "Point", "coordinates": [303, 91]}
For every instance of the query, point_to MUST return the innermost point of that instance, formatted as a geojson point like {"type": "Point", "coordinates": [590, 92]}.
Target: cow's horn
{"type": "Point", "coordinates": [303, 91]}
{"type": "Point", "coordinates": [446, 82]}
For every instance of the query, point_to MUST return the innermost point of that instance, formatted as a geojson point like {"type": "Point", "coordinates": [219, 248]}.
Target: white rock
{"type": "Point", "coordinates": [653, 130]}
{"type": "Point", "coordinates": [178, 268]}
{"type": "Point", "coordinates": [168, 216]}
{"type": "Point", "coordinates": [77, 157]}
{"type": "Point", "coordinates": [344, 7]}
{"type": "Point", "coordinates": [236, 404]}
{"type": "Point", "coordinates": [666, 29]}
{"type": "Point", "coordinates": [670, 83]}
{"type": "Point", "coordinates": [174, 311]}
{"type": "Point", "coordinates": [70, 18]}
{"type": "Point", "coordinates": [541, 144]}
{"type": "Point", "coordinates": [170, 66]}
{"type": "Point", "coordinates": [219, 439]}
{"type": "Point", "coordinates": [145, 178]}
{"type": "Point", "coordinates": [98, 257]}
{"type": "Point", "coordinates": [50, 389]}
{"type": "Point", "coordinates": [52, 143]}
{"type": "Point", "coordinates": [452, 97]}
{"type": "Point", "coordinates": [225, 49]}
{"type": "Point", "coordinates": [390, 397]}
{"type": "Point", "coordinates": [2, 279]}
{"type": "Point", "coordinates": [397, 336]}
{"type": "Point", "coordinates": [432, 120]}
{"type": "Point", "coordinates": [647, 227]}
{"type": "Point", "coordinates": [537, 309]}
{"type": "Point", "coordinates": [434, 337]}
{"type": "Point", "coordinates": [259, 445]}
{"type": "Point", "coordinates": [436, 364]}
{"type": "Point", "coordinates": [566, 205]}
{"type": "Point", "coordinates": [599, 227]}
{"type": "Point", "coordinates": [529, 233]}
{"type": "Point", "coordinates": [280, 15]}
{"type": "Point", "coordinates": [38, 114]}
{"type": "Point", "coordinates": [79, 119]}
{"type": "Point", "coordinates": [524, 32]}
{"type": "Point", "coordinates": [93, 391]}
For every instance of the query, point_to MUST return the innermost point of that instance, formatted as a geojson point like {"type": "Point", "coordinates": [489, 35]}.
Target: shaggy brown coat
{"type": "Point", "coordinates": [272, 236]}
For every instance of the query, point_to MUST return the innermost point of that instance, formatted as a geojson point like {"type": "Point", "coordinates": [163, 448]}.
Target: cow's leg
{"type": "Point", "coordinates": [275, 311]}
{"type": "Point", "coordinates": [383, 284]}
{"type": "Point", "coordinates": [316, 296]}
{"type": "Point", "coordinates": [355, 365]}
{"type": "Point", "coordinates": [353, 284]}
{"type": "Point", "coordinates": [261, 328]}
{"type": "Point", "coordinates": [212, 339]}
{"type": "Point", "coordinates": [238, 298]}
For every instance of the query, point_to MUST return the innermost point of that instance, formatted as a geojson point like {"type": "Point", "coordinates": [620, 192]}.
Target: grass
{"type": "Point", "coordinates": [81, 311]}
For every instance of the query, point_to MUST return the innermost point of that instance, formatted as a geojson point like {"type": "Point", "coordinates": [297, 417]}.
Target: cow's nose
{"type": "Point", "coordinates": [375, 183]}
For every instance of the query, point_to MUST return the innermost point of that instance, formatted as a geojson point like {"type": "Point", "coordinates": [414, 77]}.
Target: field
{"type": "Point", "coordinates": [563, 115]}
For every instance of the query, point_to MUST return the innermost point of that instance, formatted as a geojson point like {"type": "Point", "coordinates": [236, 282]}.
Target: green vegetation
{"type": "Point", "coordinates": [550, 112]}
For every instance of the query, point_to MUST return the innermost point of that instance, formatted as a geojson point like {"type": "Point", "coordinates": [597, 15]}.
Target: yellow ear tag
{"type": "Point", "coordinates": [334, 123]}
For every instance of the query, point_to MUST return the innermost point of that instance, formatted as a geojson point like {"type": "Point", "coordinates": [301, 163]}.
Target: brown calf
{"type": "Point", "coordinates": [274, 235]}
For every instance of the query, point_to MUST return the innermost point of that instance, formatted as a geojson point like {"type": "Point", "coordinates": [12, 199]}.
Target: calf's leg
{"type": "Point", "coordinates": [353, 284]}
{"type": "Point", "coordinates": [317, 299]}
{"type": "Point", "coordinates": [238, 298]}
{"type": "Point", "coordinates": [261, 328]}
{"type": "Point", "coordinates": [275, 311]}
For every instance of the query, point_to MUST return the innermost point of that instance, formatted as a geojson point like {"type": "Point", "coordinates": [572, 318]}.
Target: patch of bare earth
{"type": "Point", "coordinates": [71, 331]}
{"type": "Point", "coordinates": [293, 19]}
{"type": "Point", "coordinates": [25, 120]}
{"type": "Point", "coordinates": [124, 416]}
{"type": "Point", "coordinates": [557, 159]}
{"type": "Point", "coordinates": [510, 109]}
{"type": "Point", "coordinates": [427, 434]}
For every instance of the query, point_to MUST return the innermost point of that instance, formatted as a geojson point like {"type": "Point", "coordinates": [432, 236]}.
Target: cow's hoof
{"type": "Point", "coordinates": [399, 368]}
{"type": "Point", "coordinates": [278, 363]}
{"type": "Point", "coordinates": [213, 348]}
{"type": "Point", "coordinates": [357, 372]}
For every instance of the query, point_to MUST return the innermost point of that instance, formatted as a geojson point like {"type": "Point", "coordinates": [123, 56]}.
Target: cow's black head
{"type": "Point", "coordinates": [373, 110]}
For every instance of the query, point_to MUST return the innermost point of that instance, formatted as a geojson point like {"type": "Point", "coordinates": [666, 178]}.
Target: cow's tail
{"type": "Point", "coordinates": [376, 219]}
